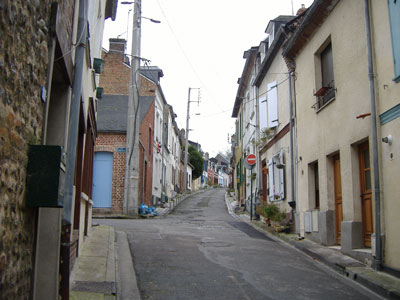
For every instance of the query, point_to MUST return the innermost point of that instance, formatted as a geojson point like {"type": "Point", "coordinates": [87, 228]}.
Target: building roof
{"type": "Point", "coordinates": [279, 38]}
{"type": "Point", "coordinates": [145, 103]}
{"type": "Point", "coordinates": [152, 73]}
{"type": "Point", "coordinates": [312, 20]}
{"type": "Point", "coordinates": [250, 56]}
{"type": "Point", "coordinates": [111, 9]}
{"type": "Point", "coordinates": [112, 113]}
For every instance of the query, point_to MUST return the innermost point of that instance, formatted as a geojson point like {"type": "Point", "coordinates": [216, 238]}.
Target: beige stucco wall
{"type": "Point", "coordinates": [334, 129]}
{"type": "Point", "coordinates": [388, 93]}
{"type": "Point", "coordinates": [278, 72]}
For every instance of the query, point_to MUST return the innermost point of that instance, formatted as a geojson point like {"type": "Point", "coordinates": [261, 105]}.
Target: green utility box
{"type": "Point", "coordinates": [45, 177]}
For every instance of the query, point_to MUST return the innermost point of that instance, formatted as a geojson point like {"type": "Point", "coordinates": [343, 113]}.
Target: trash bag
{"type": "Point", "coordinates": [143, 208]}
{"type": "Point", "coordinates": [152, 210]}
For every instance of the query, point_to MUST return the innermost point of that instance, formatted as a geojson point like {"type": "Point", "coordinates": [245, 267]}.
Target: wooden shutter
{"type": "Point", "coordinates": [272, 105]}
{"type": "Point", "coordinates": [263, 113]}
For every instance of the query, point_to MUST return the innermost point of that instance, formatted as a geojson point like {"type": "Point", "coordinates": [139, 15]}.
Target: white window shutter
{"type": "Point", "coordinates": [272, 105]}
{"type": "Point", "coordinates": [271, 179]}
{"type": "Point", "coordinates": [263, 113]}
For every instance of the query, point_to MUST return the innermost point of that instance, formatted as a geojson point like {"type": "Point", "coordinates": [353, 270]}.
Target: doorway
{"type": "Point", "coordinates": [102, 179]}
{"type": "Point", "coordinates": [366, 193]}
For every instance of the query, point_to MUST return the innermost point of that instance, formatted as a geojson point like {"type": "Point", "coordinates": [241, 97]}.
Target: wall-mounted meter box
{"type": "Point", "coordinates": [45, 176]}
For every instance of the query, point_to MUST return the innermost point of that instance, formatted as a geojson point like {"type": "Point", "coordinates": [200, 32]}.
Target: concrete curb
{"type": "Point", "coordinates": [381, 283]}
{"type": "Point", "coordinates": [127, 287]}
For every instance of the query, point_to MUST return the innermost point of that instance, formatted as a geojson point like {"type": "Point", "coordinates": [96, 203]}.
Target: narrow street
{"type": "Point", "coordinates": [201, 252]}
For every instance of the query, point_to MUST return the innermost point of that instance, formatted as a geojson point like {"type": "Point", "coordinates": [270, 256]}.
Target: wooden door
{"type": "Point", "coordinates": [366, 193]}
{"type": "Point", "coordinates": [338, 198]}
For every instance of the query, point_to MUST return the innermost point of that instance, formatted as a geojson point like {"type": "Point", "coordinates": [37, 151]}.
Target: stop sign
{"type": "Point", "coordinates": [251, 159]}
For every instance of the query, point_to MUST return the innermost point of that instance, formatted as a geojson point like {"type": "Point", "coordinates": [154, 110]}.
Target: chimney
{"type": "Point", "coordinates": [219, 160]}
{"type": "Point", "coordinates": [117, 45]}
{"type": "Point", "coordinates": [206, 156]}
{"type": "Point", "coordinates": [301, 10]}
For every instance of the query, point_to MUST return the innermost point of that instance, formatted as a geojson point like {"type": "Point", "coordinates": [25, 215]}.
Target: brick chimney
{"type": "Point", "coordinates": [301, 10]}
{"type": "Point", "coordinates": [206, 156]}
{"type": "Point", "coordinates": [118, 45]}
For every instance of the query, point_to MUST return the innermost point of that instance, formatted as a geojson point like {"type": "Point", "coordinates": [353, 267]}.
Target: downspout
{"type": "Point", "coordinates": [378, 252]}
{"type": "Point", "coordinates": [292, 203]}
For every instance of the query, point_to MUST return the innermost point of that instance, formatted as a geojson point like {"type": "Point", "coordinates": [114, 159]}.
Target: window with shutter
{"type": "Point", "coordinates": [276, 178]}
{"type": "Point", "coordinates": [272, 105]}
{"type": "Point", "coordinates": [394, 15]}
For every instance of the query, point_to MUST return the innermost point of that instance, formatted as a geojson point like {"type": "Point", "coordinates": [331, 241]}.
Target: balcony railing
{"type": "Point", "coordinates": [324, 96]}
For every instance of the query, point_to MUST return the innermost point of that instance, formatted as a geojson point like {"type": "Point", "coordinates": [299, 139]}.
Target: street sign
{"type": "Point", "coordinates": [251, 159]}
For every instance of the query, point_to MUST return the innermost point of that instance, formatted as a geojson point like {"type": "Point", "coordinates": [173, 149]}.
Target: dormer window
{"type": "Point", "coordinates": [271, 35]}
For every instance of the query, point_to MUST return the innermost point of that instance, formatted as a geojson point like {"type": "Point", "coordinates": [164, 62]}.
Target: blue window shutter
{"type": "Point", "coordinates": [272, 105]}
{"type": "Point", "coordinates": [394, 15]}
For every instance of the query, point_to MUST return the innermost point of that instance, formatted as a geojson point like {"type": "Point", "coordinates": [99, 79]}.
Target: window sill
{"type": "Point", "coordinates": [325, 105]}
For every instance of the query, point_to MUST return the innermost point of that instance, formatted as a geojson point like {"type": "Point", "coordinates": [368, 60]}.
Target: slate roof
{"type": "Point", "coordinates": [112, 112]}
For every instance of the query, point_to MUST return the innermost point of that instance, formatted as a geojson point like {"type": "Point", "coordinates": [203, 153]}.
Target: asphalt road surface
{"type": "Point", "coordinates": [201, 252]}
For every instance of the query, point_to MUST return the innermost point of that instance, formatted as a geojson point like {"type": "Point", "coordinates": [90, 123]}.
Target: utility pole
{"type": "Point", "coordinates": [131, 189]}
{"type": "Point", "coordinates": [187, 140]}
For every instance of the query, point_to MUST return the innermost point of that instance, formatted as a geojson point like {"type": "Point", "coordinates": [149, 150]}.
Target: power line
{"type": "Point", "coordinates": [184, 53]}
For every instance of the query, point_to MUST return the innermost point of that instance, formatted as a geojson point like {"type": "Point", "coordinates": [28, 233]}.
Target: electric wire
{"type": "Point", "coordinates": [184, 54]}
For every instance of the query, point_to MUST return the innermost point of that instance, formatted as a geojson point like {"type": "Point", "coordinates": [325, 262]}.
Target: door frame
{"type": "Point", "coordinates": [338, 199]}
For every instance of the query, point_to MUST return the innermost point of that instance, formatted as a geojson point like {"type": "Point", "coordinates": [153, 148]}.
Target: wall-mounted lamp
{"type": "Point", "coordinates": [388, 139]}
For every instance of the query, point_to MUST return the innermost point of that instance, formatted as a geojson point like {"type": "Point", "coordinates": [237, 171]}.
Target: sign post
{"type": "Point", "coordinates": [250, 162]}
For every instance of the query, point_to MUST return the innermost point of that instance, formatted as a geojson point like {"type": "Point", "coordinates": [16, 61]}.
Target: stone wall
{"type": "Point", "coordinates": [23, 70]}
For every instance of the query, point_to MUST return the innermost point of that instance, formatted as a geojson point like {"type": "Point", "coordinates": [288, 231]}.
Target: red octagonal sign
{"type": "Point", "coordinates": [251, 159]}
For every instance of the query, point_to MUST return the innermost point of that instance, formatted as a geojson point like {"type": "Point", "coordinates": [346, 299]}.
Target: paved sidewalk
{"type": "Point", "coordinates": [382, 283]}
{"type": "Point", "coordinates": [94, 274]}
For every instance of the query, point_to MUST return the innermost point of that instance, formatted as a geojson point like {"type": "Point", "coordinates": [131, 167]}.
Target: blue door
{"type": "Point", "coordinates": [102, 179]}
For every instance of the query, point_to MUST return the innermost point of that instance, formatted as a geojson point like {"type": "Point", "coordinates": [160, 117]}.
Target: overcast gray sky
{"type": "Point", "coordinates": [200, 44]}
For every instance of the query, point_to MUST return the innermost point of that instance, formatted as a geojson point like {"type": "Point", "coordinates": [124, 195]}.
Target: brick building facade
{"type": "Point", "coordinates": [113, 142]}
{"type": "Point", "coordinates": [112, 122]}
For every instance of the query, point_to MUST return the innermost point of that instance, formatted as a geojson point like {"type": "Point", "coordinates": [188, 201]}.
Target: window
{"type": "Point", "coordinates": [394, 16]}
{"type": "Point", "coordinates": [313, 187]}
{"type": "Point", "coordinates": [276, 177]}
{"type": "Point", "coordinates": [324, 73]}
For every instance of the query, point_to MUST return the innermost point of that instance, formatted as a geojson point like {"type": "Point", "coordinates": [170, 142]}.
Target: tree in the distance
{"type": "Point", "coordinates": [197, 161]}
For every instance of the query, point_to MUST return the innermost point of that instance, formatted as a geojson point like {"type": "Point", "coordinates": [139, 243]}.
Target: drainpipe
{"type": "Point", "coordinates": [378, 252]}
{"type": "Point", "coordinates": [292, 203]}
